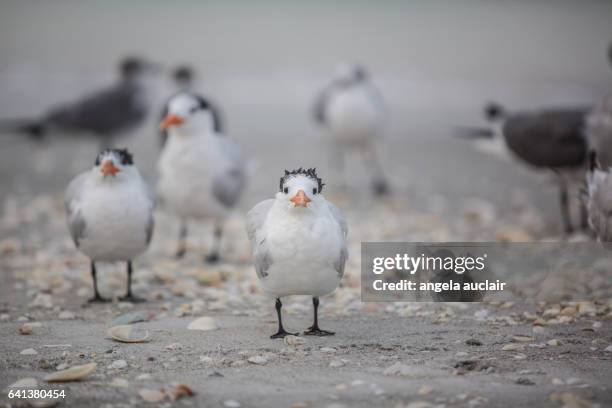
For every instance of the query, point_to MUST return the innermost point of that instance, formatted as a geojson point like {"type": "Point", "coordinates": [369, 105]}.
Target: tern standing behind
{"type": "Point", "coordinates": [202, 172]}
{"type": "Point", "coordinates": [298, 241]}
{"type": "Point", "coordinates": [352, 110]}
{"type": "Point", "coordinates": [110, 213]}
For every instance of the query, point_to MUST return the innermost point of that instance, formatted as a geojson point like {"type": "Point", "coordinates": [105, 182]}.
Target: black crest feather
{"type": "Point", "coordinates": [124, 155]}
{"type": "Point", "coordinates": [312, 173]}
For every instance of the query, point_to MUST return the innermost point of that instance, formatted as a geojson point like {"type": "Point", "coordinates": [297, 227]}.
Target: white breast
{"type": "Point", "coordinates": [304, 250]}
{"type": "Point", "coordinates": [187, 168]}
{"type": "Point", "coordinates": [354, 115]}
{"type": "Point", "coordinates": [116, 219]}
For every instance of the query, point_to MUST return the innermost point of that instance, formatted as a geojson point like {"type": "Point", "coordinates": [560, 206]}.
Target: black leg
{"type": "Point", "coordinates": [314, 330]}
{"type": "Point", "coordinates": [584, 214]}
{"type": "Point", "coordinates": [97, 297]}
{"type": "Point", "coordinates": [281, 330]}
{"type": "Point", "coordinates": [380, 187]}
{"type": "Point", "coordinates": [129, 297]}
{"type": "Point", "coordinates": [565, 210]}
{"type": "Point", "coordinates": [182, 240]}
{"type": "Point", "coordinates": [213, 255]}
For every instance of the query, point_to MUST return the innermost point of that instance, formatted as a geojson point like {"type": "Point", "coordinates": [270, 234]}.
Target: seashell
{"type": "Point", "coordinates": [75, 373]}
{"type": "Point", "coordinates": [128, 334]}
{"type": "Point", "coordinates": [24, 383]}
{"type": "Point", "coordinates": [152, 395]}
{"type": "Point", "coordinates": [522, 338]}
{"type": "Point", "coordinates": [291, 340]}
{"type": "Point", "coordinates": [203, 323]}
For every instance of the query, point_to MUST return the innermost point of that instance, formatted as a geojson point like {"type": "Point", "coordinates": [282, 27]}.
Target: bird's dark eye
{"type": "Point", "coordinates": [285, 190]}
{"type": "Point", "coordinates": [314, 191]}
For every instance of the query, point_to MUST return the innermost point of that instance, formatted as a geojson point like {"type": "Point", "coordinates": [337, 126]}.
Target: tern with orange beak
{"type": "Point", "coordinates": [109, 210]}
{"type": "Point", "coordinates": [298, 242]}
{"type": "Point", "coordinates": [201, 171]}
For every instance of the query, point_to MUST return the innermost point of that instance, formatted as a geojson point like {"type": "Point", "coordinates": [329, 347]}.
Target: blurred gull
{"type": "Point", "coordinates": [110, 213]}
{"type": "Point", "coordinates": [599, 182]}
{"type": "Point", "coordinates": [352, 110]}
{"type": "Point", "coordinates": [105, 114]}
{"type": "Point", "coordinates": [549, 139]}
{"type": "Point", "coordinates": [184, 81]}
{"type": "Point", "coordinates": [202, 172]}
{"type": "Point", "coordinates": [298, 241]}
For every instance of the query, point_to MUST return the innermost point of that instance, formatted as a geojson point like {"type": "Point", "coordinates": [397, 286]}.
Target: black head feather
{"type": "Point", "coordinates": [312, 173]}
{"type": "Point", "coordinates": [124, 155]}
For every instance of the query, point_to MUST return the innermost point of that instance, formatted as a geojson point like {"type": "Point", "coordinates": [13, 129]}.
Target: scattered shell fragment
{"type": "Point", "coordinates": [28, 352]}
{"type": "Point", "coordinates": [128, 334]}
{"type": "Point", "coordinates": [328, 350]}
{"type": "Point", "coordinates": [27, 382]}
{"type": "Point", "coordinates": [203, 323]}
{"type": "Point", "coordinates": [336, 363]}
{"type": "Point", "coordinates": [152, 395]}
{"type": "Point", "coordinates": [231, 404]}
{"type": "Point", "coordinates": [512, 347]}
{"type": "Point", "coordinates": [178, 391]}
{"type": "Point", "coordinates": [425, 389]}
{"type": "Point", "coordinates": [553, 342]}
{"type": "Point", "coordinates": [25, 329]}
{"type": "Point", "coordinates": [608, 349]}
{"type": "Point", "coordinates": [119, 364]}
{"type": "Point", "coordinates": [523, 338]}
{"type": "Point", "coordinates": [259, 360]}
{"type": "Point", "coordinates": [120, 382]}
{"type": "Point", "coordinates": [66, 315]}
{"type": "Point", "coordinates": [75, 373]}
{"type": "Point", "coordinates": [294, 340]}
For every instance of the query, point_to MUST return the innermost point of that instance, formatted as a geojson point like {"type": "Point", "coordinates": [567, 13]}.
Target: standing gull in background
{"type": "Point", "coordinates": [599, 183]}
{"type": "Point", "coordinates": [352, 110]}
{"type": "Point", "coordinates": [201, 171]}
{"type": "Point", "coordinates": [298, 242]}
{"type": "Point", "coordinates": [109, 211]}
{"type": "Point", "coordinates": [547, 139]}
{"type": "Point", "coordinates": [106, 114]}
{"type": "Point", "coordinates": [184, 79]}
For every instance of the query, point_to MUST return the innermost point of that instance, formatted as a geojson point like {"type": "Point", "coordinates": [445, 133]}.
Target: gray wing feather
{"type": "Point", "coordinates": [256, 218]}
{"type": "Point", "coordinates": [151, 221]}
{"type": "Point", "coordinates": [341, 261]}
{"type": "Point", "coordinates": [228, 185]}
{"type": "Point", "coordinates": [75, 220]}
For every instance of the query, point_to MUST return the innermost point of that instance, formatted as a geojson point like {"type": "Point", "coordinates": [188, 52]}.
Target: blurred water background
{"type": "Point", "coordinates": [263, 62]}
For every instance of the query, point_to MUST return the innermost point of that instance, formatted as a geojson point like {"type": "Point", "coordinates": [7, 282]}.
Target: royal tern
{"type": "Point", "coordinates": [109, 211]}
{"type": "Point", "coordinates": [202, 172]}
{"type": "Point", "coordinates": [298, 242]}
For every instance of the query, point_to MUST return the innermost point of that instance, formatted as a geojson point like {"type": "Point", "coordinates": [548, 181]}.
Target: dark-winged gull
{"type": "Point", "coordinates": [104, 114]}
{"type": "Point", "coordinates": [544, 139]}
{"type": "Point", "coordinates": [298, 243]}
{"type": "Point", "coordinates": [109, 211]}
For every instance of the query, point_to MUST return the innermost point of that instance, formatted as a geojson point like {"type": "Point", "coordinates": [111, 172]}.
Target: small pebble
{"type": "Point", "coordinates": [119, 364]}
{"type": "Point", "coordinates": [259, 360]}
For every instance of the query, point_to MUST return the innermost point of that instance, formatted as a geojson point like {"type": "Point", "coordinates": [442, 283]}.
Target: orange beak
{"type": "Point", "coordinates": [171, 120]}
{"type": "Point", "coordinates": [109, 168]}
{"type": "Point", "coordinates": [300, 199]}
